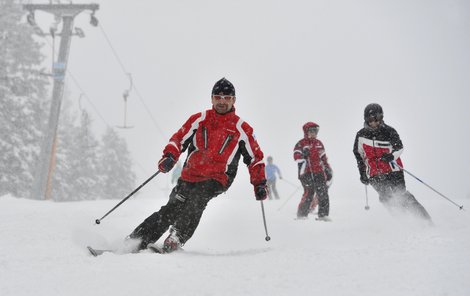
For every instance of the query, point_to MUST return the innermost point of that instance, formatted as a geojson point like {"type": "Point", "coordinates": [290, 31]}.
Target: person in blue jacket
{"type": "Point", "coordinates": [271, 171]}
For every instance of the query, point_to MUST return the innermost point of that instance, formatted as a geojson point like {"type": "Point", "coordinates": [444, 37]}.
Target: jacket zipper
{"type": "Point", "coordinates": [204, 134]}
{"type": "Point", "coordinates": [376, 158]}
{"type": "Point", "coordinates": [227, 140]}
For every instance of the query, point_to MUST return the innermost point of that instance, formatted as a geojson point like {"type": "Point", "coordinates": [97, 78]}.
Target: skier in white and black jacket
{"type": "Point", "coordinates": [377, 148]}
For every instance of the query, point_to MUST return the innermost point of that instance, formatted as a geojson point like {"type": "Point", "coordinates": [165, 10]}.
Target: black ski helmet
{"type": "Point", "coordinates": [373, 110]}
{"type": "Point", "coordinates": [223, 86]}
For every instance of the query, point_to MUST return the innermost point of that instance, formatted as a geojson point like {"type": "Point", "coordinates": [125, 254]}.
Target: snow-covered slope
{"type": "Point", "coordinates": [42, 251]}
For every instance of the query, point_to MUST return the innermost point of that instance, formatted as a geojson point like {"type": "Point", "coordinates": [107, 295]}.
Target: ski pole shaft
{"type": "Point", "coordinates": [289, 182]}
{"type": "Point", "coordinates": [367, 199]}
{"type": "Point", "coordinates": [290, 196]}
{"type": "Point", "coordinates": [267, 238]}
{"type": "Point", "coordinates": [409, 173]}
{"type": "Point", "coordinates": [98, 221]}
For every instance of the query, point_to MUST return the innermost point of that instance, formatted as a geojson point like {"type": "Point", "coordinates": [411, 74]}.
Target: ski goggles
{"type": "Point", "coordinates": [223, 97]}
{"type": "Point", "coordinates": [377, 118]}
{"type": "Point", "coordinates": [313, 129]}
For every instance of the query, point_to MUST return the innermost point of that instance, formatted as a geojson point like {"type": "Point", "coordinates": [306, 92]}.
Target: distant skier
{"type": "Point", "coordinates": [271, 171]}
{"type": "Point", "coordinates": [215, 140]}
{"type": "Point", "coordinates": [314, 172]}
{"type": "Point", "coordinates": [377, 147]}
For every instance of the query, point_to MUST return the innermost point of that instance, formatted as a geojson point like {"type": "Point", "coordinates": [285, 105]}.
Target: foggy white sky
{"type": "Point", "coordinates": [291, 62]}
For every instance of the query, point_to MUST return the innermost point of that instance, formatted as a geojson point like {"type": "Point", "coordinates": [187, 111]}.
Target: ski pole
{"type": "Point", "coordinates": [367, 199]}
{"type": "Point", "coordinates": [290, 196]}
{"type": "Point", "coordinates": [409, 173]}
{"type": "Point", "coordinates": [98, 221]}
{"type": "Point", "coordinates": [267, 238]}
{"type": "Point", "coordinates": [289, 182]}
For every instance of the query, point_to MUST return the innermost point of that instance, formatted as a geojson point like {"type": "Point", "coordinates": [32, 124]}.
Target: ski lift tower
{"type": "Point", "coordinates": [41, 188]}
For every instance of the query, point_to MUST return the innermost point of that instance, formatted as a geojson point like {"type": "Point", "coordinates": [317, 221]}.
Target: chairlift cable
{"type": "Point", "coordinates": [133, 86]}
{"type": "Point", "coordinates": [85, 95]}
{"type": "Point", "coordinates": [75, 81]}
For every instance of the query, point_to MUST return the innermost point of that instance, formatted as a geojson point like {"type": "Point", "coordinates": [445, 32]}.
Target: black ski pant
{"type": "Point", "coordinates": [183, 212]}
{"type": "Point", "coordinates": [392, 192]}
{"type": "Point", "coordinates": [314, 182]}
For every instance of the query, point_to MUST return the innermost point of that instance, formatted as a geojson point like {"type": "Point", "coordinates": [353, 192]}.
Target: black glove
{"type": "Point", "coordinates": [329, 174]}
{"type": "Point", "coordinates": [364, 178]}
{"type": "Point", "coordinates": [166, 163]}
{"type": "Point", "coordinates": [261, 191]}
{"type": "Point", "coordinates": [306, 152]}
{"type": "Point", "coordinates": [387, 157]}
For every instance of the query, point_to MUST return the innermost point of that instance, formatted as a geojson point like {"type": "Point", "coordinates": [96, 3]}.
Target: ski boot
{"type": "Point", "coordinates": [172, 242]}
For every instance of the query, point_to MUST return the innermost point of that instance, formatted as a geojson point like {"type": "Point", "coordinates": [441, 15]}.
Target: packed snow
{"type": "Point", "coordinates": [43, 250]}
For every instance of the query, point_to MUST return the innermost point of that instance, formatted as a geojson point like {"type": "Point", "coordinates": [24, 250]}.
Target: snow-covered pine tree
{"type": "Point", "coordinates": [63, 171]}
{"type": "Point", "coordinates": [75, 175]}
{"type": "Point", "coordinates": [85, 160]}
{"type": "Point", "coordinates": [117, 178]}
{"type": "Point", "coordinates": [23, 100]}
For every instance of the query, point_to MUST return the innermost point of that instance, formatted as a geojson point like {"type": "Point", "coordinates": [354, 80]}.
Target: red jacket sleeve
{"type": "Point", "coordinates": [298, 153]}
{"type": "Point", "coordinates": [176, 142]}
{"type": "Point", "coordinates": [324, 158]}
{"type": "Point", "coordinates": [253, 156]}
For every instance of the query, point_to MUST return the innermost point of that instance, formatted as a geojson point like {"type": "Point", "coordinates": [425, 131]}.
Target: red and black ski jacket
{"type": "Point", "coordinates": [369, 146]}
{"type": "Point", "coordinates": [215, 143]}
{"type": "Point", "coordinates": [317, 161]}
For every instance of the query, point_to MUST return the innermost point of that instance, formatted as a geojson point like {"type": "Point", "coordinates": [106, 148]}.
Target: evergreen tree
{"type": "Point", "coordinates": [63, 172]}
{"type": "Point", "coordinates": [86, 149]}
{"type": "Point", "coordinates": [115, 166]}
{"type": "Point", "coordinates": [23, 93]}
{"type": "Point", "coordinates": [25, 105]}
{"type": "Point", "coordinates": [75, 176]}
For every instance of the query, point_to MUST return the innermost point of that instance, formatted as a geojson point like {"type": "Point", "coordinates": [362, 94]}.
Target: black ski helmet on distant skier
{"type": "Point", "coordinates": [223, 86]}
{"type": "Point", "coordinates": [373, 111]}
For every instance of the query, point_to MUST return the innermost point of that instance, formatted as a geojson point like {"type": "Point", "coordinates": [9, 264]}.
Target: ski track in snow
{"type": "Point", "coordinates": [43, 251]}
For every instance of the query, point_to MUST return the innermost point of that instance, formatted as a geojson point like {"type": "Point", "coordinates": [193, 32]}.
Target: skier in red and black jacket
{"type": "Point", "coordinates": [315, 172]}
{"type": "Point", "coordinates": [215, 140]}
{"type": "Point", "coordinates": [377, 149]}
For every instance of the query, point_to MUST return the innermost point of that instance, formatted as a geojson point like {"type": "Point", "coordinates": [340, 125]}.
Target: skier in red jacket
{"type": "Point", "coordinates": [377, 149]}
{"type": "Point", "coordinates": [215, 140]}
{"type": "Point", "coordinates": [315, 173]}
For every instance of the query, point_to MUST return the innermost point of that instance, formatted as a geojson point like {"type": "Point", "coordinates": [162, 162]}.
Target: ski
{"type": "Point", "coordinates": [301, 218]}
{"type": "Point", "coordinates": [98, 252]}
{"type": "Point", "coordinates": [151, 247]}
{"type": "Point", "coordinates": [156, 249]}
{"type": "Point", "coordinates": [160, 250]}
{"type": "Point", "coordinates": [324, 219]}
